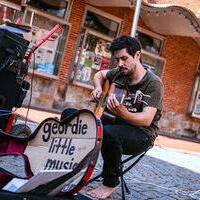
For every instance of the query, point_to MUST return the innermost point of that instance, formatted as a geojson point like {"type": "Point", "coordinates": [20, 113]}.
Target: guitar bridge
{"type": "Point", "coordinates": [133, 101]}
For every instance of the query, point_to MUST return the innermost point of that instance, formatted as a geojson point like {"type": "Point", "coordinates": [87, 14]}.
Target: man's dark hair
{"type": "Point", "coordinates": [131, 44]}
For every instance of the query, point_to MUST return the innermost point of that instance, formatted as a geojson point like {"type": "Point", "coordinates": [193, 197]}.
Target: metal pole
{"type": "Point", "coordinates": [136, 17]}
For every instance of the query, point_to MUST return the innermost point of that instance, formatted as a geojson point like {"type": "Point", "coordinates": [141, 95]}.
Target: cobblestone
{"type": "Point", "coordinates": [162, 174]}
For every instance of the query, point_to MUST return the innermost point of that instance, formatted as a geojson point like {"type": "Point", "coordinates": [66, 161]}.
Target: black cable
{"type": "Point", "coordinates": [31, 89]}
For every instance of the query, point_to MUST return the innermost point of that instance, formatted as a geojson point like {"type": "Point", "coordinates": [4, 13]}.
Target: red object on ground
{"type": "Point", "coordinates": [10, 122]}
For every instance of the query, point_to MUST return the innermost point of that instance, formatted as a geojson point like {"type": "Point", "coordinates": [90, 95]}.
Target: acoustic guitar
{"type": "Point", "coordinates": [130, 101]}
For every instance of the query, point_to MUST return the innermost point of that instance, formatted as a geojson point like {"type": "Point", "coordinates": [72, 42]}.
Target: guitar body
{"type": "Point", "coordinates": [100, 108]}
{"type": "Point", "coordinates": [132, 102]}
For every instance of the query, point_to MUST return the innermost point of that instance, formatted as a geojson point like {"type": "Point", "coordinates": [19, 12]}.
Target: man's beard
{"type": "Point", "coordinates": [128, 73]}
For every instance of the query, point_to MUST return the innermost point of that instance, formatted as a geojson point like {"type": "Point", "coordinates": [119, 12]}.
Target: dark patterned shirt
{"type": "Point", "coordinates": [149, 85]}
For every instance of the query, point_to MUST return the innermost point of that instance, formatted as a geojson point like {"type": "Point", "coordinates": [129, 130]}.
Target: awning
{"type": "Point", "coordinates": [165, 19]}
{"type": "Point", "coordinates": [168, 19]}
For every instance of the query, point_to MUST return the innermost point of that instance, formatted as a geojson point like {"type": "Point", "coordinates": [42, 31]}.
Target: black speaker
{"type": "Point", "coordinates": [13, 48]}
{"type": "Point", "coordinates": [9, 90]}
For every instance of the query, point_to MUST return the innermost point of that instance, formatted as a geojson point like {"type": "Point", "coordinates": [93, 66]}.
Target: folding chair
{"type": "Point", "coordinates": [57, 159]}
{"type": "Point", "coordinates": [123, 171]}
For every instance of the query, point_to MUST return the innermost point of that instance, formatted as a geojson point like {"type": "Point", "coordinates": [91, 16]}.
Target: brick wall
{"type": "Point", "coordinates": [181, 53]}
{"type": "Point", "coordinates": [75, 20]}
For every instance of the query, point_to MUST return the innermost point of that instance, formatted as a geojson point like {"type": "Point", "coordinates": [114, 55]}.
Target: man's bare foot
{"type": "Point", "coordinates": [102, 191]}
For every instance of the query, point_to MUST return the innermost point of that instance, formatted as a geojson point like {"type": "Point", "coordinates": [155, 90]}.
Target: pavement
{"type": "Point", "coordinates": [168, 171]}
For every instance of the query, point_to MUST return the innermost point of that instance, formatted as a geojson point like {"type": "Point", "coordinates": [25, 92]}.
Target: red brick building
{"type": "Point", "coordinates": [169, 32]}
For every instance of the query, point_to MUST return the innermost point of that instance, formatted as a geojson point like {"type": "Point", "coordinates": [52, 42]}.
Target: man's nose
{"type": "Point", "coordinates": [120, 63]}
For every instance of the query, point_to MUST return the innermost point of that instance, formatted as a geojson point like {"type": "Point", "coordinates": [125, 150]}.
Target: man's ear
{"type": "Point", "coordinates": [137, 55]}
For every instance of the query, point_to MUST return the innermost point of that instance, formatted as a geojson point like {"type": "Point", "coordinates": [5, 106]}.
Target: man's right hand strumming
{"type": "Point", "coordinates": [99, 79]}
{"type": "Point", "coordinates": [96, 94]}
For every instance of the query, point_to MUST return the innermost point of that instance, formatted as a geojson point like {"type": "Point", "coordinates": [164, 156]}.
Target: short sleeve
{"type": "Point", "coordinates": [155, 90]}
{"type": "Point", "coordinates": [111, 74]}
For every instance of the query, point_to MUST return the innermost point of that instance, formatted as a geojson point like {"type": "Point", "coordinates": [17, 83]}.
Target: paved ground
{"type": "Point", "coordinates": [163, 174]}
{"type": "Point", "coordinates": [169, 171]}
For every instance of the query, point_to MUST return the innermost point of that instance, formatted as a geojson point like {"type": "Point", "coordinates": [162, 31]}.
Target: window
{"type": "Point", "coordinates": [48, 57]}
{"type": "Point", "coordinates": [55, 7]}
{"type": "Point", "coordinates": [9, 13]}
{"type": "Point", "coordinates": [95, 55]}
{"type": "Point", "coordinates": [152, 45]}
{"type": "Point", "coordinates": [196, 111]}
{"type": "Point", "coordinates": [92, 52]}
{"type": "Point", "coordinates": [150, 41]}
{"type": "Point", "coordinates": [194, 103]}
{"type": "Point", "coordinates": [101, 24]}
{"type": "Point", "coordinates": [152, 63]}
{"type": "Point", "coordinates": [198, 66]}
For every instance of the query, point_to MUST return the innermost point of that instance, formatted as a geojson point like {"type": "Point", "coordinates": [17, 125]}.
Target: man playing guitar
{"type": "Point", "coordinates": [131, 132]}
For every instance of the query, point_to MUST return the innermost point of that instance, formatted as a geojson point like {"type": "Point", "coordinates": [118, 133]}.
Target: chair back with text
{"type": "Point", "coordinates": [59, 156]}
